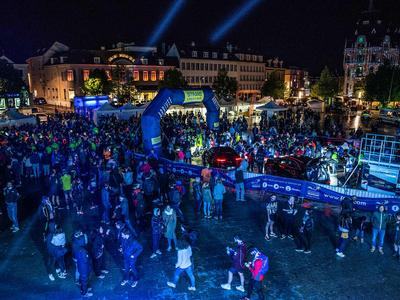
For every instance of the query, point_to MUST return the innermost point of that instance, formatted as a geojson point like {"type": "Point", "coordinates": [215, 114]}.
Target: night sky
{"type": "Point", "coordinates": [306, 33]}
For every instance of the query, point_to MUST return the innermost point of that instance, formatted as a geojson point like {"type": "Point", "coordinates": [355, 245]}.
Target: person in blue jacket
{"type": "Point", "coordinates": [219, 192]}
{"type": "Point", "coordinates": [105, 200]}
{"type": "Point", "coordinates": [131, 249]}
{"type": "Point", "coordinates": [85, 266]}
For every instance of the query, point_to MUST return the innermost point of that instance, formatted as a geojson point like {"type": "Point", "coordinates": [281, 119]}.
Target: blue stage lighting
{"type": "Point", "coordinates": [163, 25]}
{"type": "Point", "coordinates": [234, 19]}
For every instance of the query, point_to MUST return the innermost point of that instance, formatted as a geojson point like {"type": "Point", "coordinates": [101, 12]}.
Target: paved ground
{"type": "Point", "coordinates": [292, 275]}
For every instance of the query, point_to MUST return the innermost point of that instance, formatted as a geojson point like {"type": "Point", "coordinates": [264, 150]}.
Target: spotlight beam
{"type": "Point", "coordinates": [235, 18]}
{"type": "Point", "coordinates": [165, 22]}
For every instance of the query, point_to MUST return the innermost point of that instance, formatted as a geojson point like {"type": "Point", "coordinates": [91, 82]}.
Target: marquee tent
{"type": "Point", "coordinates": [14, 118]}
{"type": "Point", "coordinates": [128, 110]}
{"type": "Point", "coordinates": [105, 110]}
{"type": "Point", "coordinates": [271, 108]}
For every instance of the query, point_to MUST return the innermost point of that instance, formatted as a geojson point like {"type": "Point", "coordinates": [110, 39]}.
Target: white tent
{"type": "Point", "coordinates": [128, 110]}
{"type": "Point", "coordinates": [105, 110]}
{"type": "Point", "coordinates": [14, 118]}
{"type": "Point", "coordinates": [271, 108]}
{"type": "Point", "coordinates": [316, 105]}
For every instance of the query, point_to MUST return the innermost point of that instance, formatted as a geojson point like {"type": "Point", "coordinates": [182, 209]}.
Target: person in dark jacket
{"type": "Point", "coordinates": [11, 197]}
{"type": "Point", "coordinates": [141, 210]}
{"type": "Point", "coordinates": [306, 231]}
{"type": "Point", "coordinates": [157, 223]}
{"type": "Point", "coordinates": [379, 220]}
{"type": "Point", "coordinates": [344, 228]}
{"type": "Point", "coordinates": [56, 249]}
{"type": "Point", "coordinates": [170, 154]}
{"type": "Point", "coordinates": [289, 211]}
{"type": "Point", "coordinates": [260, 159]}
{"type": "Point", "coordinates": [79, 239]}
{"type": "Point", "coordinates": [239, 177]}
{"type": "Point", "coordinates": [85, 266]}
{"type": "Point", "coordinates": [238, 257]}
{"type": "Point", "coordinates": [53, 184]}
{"type": "Point", "coordinates": [46, 161]}
{"type": "Point", "coordinates": [131, 249]}
{"type": "Point", "coordinates": [125, 213]}
{"type": "Point", "coordinates": [175, 200]}
{"type": "Point", "coordinates": [198, 196]}
{"type": "Point", "coordinates": [98, 251]}
{"type": "Point", "coordinates": [47, 213]}
{"type": "Point", "coordinates": [163, 184]}
{"type": "Point", "coordinates": [35, 161]}
{"type": "Point", "coordinates": [105, 200]}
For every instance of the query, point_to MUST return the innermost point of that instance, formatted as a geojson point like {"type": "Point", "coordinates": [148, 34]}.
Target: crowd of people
{"type": "Point", "coordinates": [93, 167]}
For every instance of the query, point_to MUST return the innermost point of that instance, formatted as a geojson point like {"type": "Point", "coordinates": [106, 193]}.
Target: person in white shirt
{"type": "Point", "coordinates": [184, 264]}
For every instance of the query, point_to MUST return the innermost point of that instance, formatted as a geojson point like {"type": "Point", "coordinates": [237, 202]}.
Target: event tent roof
{"type": "Point", "coordinates": [271, 106]}
{"type": "Point", "coordinates": [106, 107]}
{"type": "Point", "coordinates": [129, 106]}
{"type": "Point", "coordinates": [13, 115]}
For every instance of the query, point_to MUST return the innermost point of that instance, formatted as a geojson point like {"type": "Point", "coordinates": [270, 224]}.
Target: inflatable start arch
{"type": "Point", "coordinates": [158, 107]}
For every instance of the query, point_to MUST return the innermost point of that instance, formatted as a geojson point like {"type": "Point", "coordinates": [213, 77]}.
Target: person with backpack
{"type": "Point", "coordinates": [55, 242]}
{"type": "Point", "coordinates": [157, 223]}
{"type": "Point", "coordinates": [184, 264]}
{"type": "Point", "coordinates": [169, 217]}
{"type": "Point", "coordinates": [125, 213]}
{"type": "Point", "coordinates": [306, 231]}
{"type": "Point", "coordinates": [47, 213]}
{"type": "Point", "coordinates": [258, 267]}
{"type": "Point", "coordinates": [219, 192]}
{"type": "Point", "coordinates": [79, 239]}
{"type": "Point", "coordinates": [344, 228]}
{"type": "Point", "coordinates": [197, 195]}
{"type": "Point", "coordinates": [190, 235]}
{"type": "Point", "coordinates": [347, 206]}
{"type": "Point", "coordinates": [149, 187]}
{"type": "Point", "coordinates": [85, 266]}
{"type": "Point", "coordinates": [239, 177]}
{"type": "Point", "coordinates": [175, 200]}
{"type": "Point", "coordinates": [238, 257]}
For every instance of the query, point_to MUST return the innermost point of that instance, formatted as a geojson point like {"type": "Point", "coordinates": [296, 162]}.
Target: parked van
{"type": "Point", "coordinates": [389, 115]}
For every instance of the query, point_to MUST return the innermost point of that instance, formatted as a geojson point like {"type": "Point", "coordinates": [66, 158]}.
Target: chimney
{"type": "Point", "coordinates": [281, 64]}
{"type": "Point", "coordinates": [103, 48]}
{"type": "Point", "coordinates": [193, 44]}
{"type": "Point", "coordinates": [269, 62]}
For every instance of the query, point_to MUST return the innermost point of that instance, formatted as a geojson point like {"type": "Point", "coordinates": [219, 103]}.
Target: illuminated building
{"type": "Point", "coordinates": [58, 73]}
{"type": "Point", "coordinates": [200, 65]}
{"type": "Point", "coordinates": [296, 79]}
{"type": "Point", "coordinates": [374, 41]}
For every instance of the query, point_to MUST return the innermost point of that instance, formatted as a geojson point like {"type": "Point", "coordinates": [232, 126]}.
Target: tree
{"type": "Point", "coordinates": [377, 85]}
{"type": "Point", "coordinates": [275, 87]}
{"type": "Point", "coordinates": [124, 89]}
{"type": "Point", "coordinates": [98, 83]}
{"type": "Point", "coordinates": [327, 86]}
{"type": "Point", "coordinates": [11, 81]}
{"type": "Point", "coordinates": [224, 85]}
{"type": "Point", "coordinates": [359, 86]}
{"type": "Point", "coordinates": [173, 79]}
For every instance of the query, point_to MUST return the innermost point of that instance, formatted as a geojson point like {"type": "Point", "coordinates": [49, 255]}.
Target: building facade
{"type": "Point", "coordinates": [58, 73]}
{"type": "Point", "coordinates": [374, 42]}
{"type": "Point", "coordinates": [200, 65]}
{"type": "Point", "coordinates": [296, 79]}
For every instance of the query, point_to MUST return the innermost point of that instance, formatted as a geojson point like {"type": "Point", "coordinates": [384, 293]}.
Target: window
{"type": "Point", "coordinates": [366, 22]}
{"type": "Point", "coordinates": [161, 75]}
{"type": "Point", "coordinates": [219, 67]}
{"type": "Point", "coordinates": [153, 76]}
{"type": "Point", "coordinates": [161, 62]}
{"type": "Point", "coordinates": [145, 61]}
{"type": "Point", "coordinates": [205, 79]}
{"type": "Point", "coordinates": [206, 67]}
{"type": "Point", "coordinates": [183, 65]}
{"type": "Point", "coordinates": [197, 79]}
{"type": "Point", "coordinates": [247, 57]}
{"type": "Point", "coordinates": [214, 55]}
{"type": "Point", "coordinates": [215, 67]}
{"type": "Point", "coordinates": [194, 53]}
{"type": "Point", "coordinates": [241, 77]}
{"type": "Point", "coordinates": [85, 75]}
{"type": "Point", "coordinates": [192, 66]}
{"type": "Point", "coordinates": [202, 67]}
{"type": "Point", "coordinates": [225, 56]}
{"type": "Point", "coordinates": [108, 73]}
{"type": "Point", "coordinates": [254, 57]}
{"type": "Point", "coordinates": [210, 79]}
{"type": "Point", "coordinates": [145, 75]}
{"type": "Point", "coordinates": [187, 66]}
{"type": "Point", "coordinates": [197, 66]}
{"type": "Point", "coordinates": [70, 75]}
{"type": "Point", "coordinates": [97, 60]}
{"type": "Point", "coordinates": [205, 54]}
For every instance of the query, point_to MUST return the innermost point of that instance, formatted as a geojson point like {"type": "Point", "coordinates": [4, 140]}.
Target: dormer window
{"type": "Point", "coordinates": [62, 59]}
{"type": "Point", "coordinates": [97, 60]}
{"type": "Point", "coordinates": [214, 55]}
{"type": "Point", "coordinates": [241, 57]}
{"type": "Point", "coordinates": [145, 61]}
{"type": "Point", "coordinates": [254, 57]}
{"type": "Point", "coordinates": [248, 57]}
{"type": "Point", "coordinates": [225, 55]}
{"type": "Point", "coordinates": [161, 62]}
{"type": "Point", "coordinates": [379, 22]}
{"type": "Point", "coordinates": [366, 22]}
{"type": "Point", "coordinates": [205, 54]}
{"type": "Point", "coordinates": [52, 61]}
{"type": "Point", "coordinates": [194, 53]}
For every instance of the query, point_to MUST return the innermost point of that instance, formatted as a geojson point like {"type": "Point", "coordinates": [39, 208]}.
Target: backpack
{"type": "Point", "coordinates": [176, 196]}
{"type": "Point", "coordinates": [150, 186]}
{"type": "Point", "coordinates": [264, 265]}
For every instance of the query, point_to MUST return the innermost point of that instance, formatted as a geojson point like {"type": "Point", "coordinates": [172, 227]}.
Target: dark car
{"type": "Point", "coordinates": [298, 167]}
{"type": "Point", "coordinates": [221, 157]}
{"type": "Point", "coordinates": [39, 101]}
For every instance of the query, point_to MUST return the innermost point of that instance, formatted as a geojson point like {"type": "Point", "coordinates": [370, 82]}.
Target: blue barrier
{"type": "Point", "coordinates": [287, 186]}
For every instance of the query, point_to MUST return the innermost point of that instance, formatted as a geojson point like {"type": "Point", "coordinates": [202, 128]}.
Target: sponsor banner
{"type": "Point", "coordinates": [274, 184]}
{"type": "Point", "coordinates": [182, 169]}
{"type": "Point", "coordinates": [193, 96]}
{"type": "Point", "coordinates": [156, 140]}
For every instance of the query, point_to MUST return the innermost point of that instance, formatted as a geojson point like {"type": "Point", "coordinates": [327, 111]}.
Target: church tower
{"type": "Point", "coordinates": [374, 42]}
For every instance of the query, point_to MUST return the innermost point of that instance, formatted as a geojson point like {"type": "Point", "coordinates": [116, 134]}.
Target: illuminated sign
{"type": "Point", "coordinates": [156, 140]}
{"type": "Point", "coordinates": [121, 55]}
{"type": "Point", "coordinates": [216, 125]}
{"type": "Point", "coordinates": [193, 96]}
